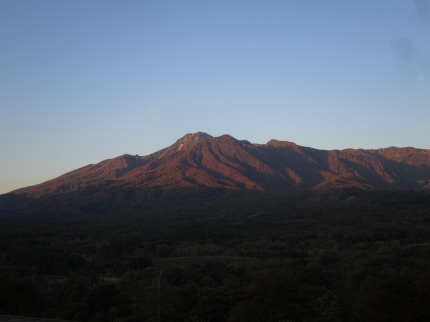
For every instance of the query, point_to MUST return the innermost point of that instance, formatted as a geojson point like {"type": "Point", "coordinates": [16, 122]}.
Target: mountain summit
{"type": "Point", "coordinates": [191, 139]}
{"type": "Point", "coordinates": [199, 159]}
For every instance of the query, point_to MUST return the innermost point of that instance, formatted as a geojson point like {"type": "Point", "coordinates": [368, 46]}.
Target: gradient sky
{"type": "Point", "coordinates": [86, 80]}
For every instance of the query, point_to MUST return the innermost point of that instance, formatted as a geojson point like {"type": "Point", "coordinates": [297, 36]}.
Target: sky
{"type": "Point", "coordinates": [82, 81]}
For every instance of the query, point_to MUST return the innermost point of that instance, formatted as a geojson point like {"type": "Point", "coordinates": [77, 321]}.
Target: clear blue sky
{"type": "Point", "coordinates": [86, 80]}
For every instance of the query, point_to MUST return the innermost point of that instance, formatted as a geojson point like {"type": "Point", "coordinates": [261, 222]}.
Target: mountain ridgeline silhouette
{"type": "Point", "coordinates": [200, 160]}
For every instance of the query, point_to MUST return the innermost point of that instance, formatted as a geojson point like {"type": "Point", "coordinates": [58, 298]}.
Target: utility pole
{"type": "Point", "coordinates": [158, 296]}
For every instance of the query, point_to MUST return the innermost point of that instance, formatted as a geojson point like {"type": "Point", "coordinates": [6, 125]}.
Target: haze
{"type": "Point", "coordinates": [82, 81]}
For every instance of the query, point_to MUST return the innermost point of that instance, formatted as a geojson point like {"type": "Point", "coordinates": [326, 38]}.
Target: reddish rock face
{"type": "Point", "coordinates": [199, 159]}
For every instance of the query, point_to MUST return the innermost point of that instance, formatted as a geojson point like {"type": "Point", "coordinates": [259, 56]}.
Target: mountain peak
{"type": "Point", "coordinates": [192, 138]}
{"type": "Point", "coordinates": [278, 144]}
{"type": "Point", "coordinates": [197, 136]}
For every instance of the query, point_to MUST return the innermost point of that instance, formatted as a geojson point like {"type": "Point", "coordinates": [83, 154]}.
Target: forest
{"type": "Point", "coordinates": [214, 255]}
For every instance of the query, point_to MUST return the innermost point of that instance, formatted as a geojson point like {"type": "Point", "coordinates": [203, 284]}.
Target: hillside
{"type": "Point", "coordinates": [200, 160]}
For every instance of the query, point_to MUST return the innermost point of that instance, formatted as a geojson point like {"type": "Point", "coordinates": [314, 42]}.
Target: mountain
{"type": "Point", "coordinates": [200, 160]}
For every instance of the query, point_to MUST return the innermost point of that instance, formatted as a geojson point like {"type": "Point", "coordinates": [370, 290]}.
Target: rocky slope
{"type": "Point", "coordinates": [199, 159]}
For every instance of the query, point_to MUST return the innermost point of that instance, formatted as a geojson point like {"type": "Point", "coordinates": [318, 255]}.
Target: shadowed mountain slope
{"type": "Point", "coordinates": [199, 159]}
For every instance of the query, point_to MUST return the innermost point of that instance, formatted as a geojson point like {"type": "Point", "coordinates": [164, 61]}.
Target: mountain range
{"type": "Point", "coordinates": [201, 160]}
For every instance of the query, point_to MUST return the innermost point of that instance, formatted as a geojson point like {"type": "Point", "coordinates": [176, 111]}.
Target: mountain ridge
{"type": "Point", "coordinates": [199, 159]}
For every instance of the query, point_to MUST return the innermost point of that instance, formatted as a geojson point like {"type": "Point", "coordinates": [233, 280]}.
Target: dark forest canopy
{"type": "Point", "coordinates": [216, 255]}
